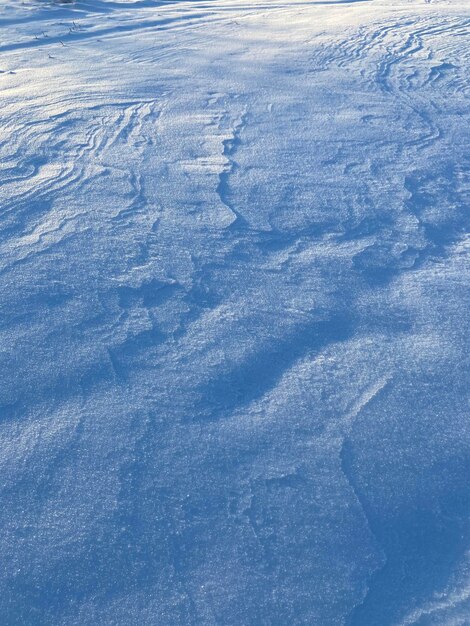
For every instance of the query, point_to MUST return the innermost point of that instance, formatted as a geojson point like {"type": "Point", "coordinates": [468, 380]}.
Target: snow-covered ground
{"type": "Point", "coordinates": [234, 295]}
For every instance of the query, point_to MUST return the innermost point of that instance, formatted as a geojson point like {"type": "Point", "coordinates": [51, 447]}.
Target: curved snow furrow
{"type": "Point", "coordinates": [229, 148]}
{"type": "Point", "coordinates": [85, 160]}
{"type": "Point", "coordinates": [418, 49]}
{"type": "Point", "coordinates": [394, 65]}
{"type": "Point", "coordinates": [46, 179]}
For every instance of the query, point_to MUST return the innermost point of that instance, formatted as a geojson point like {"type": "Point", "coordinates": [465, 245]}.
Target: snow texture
{"type": "Point", "coordinates": [234, 295]}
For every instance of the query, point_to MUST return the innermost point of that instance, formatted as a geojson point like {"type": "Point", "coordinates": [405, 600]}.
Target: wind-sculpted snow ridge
{"type": "Point", "coordinates": [234, 293]}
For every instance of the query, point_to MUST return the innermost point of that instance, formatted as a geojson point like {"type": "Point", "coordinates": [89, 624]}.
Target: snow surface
{"type": "Point", "coordinates": [234, 293]}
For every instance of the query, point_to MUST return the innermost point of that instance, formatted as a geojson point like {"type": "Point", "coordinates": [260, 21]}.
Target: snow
{"type": "Point", "coordinates": [234, 307]}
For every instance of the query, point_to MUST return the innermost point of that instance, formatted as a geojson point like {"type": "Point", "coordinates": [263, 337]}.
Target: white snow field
{"type": "Point", "coordinates": [234, 309]}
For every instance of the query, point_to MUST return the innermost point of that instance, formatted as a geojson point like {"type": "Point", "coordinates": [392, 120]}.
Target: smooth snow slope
{"type": "Point", "coordinates": [234, 293]}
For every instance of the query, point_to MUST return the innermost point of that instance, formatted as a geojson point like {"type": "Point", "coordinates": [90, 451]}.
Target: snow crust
{"type": "Point", "coordinates": [234, 308]}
